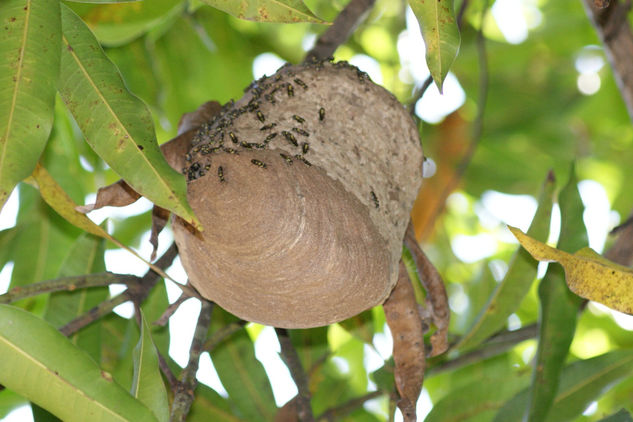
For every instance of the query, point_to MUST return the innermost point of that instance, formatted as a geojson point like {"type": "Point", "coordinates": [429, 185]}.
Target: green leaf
{"type": "Point", "coordinates": [559, 307]}
{"type": "Point", "coordinates": [29, 69]}
{"type": "Point", "coordinates": [240, 372]}
{"type": "Point", "coordinates": [85, 257]}
{"type": "Point", "coordinates": [42, 240]}
{"type": "Point", "coordinates": [621, 416]}
{"type": "Point", "coordinates": [440, 33]}
{"type": "Point", "coordinates": [210, 406]}
{"type": "Point", "coordinates": [516, 283]}
{"type": "Point", "coordinates": [9, 401]}
{"type": "Point", "coordinates": [120, 23]}
{"type": "Point", "coordinates": [147, 382]}
{"type": "Point", "coordinates": [42, 365]}
{"type": "Point", "coordinates": [281, 11]}
{"type": "Point", "coordinates": [116, 124]}
{"type": "Point", "coordinates": [580, 383]}
{"type": "Point", "coordinates": [360, 326]}
{"type": "Point", "coordinates": [471, 401]}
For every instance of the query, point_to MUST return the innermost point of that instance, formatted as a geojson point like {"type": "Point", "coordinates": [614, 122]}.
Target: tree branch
{"type": "Point", "coordinates": [222, 334]}
{"type": "Point", "coordinates": [292, 361]}
{"type": "Point", "coordinates": [137, 293]}
{"type": "Point", "coordinates": [67, 284]}
{"type": "Point", "coordinates": [493, 347]}
{"type": "Point", "coordinates": [612, 25]}
{"type": "Point", "coordinates": [345, 23]}
{"type": "Point", "coordinates": [184, 391]}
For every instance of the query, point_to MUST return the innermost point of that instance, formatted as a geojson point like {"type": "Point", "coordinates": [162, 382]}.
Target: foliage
{"type": "Point", "coordinates": [88, 91]}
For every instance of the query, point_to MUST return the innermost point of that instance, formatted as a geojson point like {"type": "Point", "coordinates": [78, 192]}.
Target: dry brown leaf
{"type": "Point", "coordinates": [203, 114]}
{"type": "Point", "coordinates": [436, 293]}
{"type": "Point", "coordinates": [403, 318]}
{"type": "Point", "coordinates": [118, 194]}
{"type": "Point", "coordinates": [288, 412]}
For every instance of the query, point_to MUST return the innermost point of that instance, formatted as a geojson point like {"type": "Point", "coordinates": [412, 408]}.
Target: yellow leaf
{"type": "Point", "coordinates": [587, 274]}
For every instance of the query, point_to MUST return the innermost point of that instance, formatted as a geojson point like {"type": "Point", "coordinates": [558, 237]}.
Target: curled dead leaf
{"type": "Point", "coordinates": [403, 318]}
{"type": "Point", "coordinates": [437, 299]}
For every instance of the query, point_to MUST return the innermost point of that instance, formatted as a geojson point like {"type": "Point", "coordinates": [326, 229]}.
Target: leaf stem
{"type": "Point", "coordinates": [67, 284]}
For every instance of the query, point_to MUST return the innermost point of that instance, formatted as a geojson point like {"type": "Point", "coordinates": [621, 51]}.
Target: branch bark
{"type": "Point", "coordinates": [345, 23]}
{"type": "Point", "coordinates": [292, 361]}
{"type": "Point", "coordinates": [613, 28]}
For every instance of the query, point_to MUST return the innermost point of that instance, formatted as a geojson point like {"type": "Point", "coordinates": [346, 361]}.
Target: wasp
{"type": "Point", "coordinates": [298, 118]}
{"type": "Point", "coordinates": [270, 126]}
{"type": "Point", "coordinates": [221, 174]}
{"type": "Point", "coordinates": [305, 147]}
{"type": "Point", "coordinates": [270, 137]}
{"type": "Point", "coordinates": [187, 157]}
{"type": "Point", "coordinates": [291, 90]}
{"type": "Point", "coordinates": [258, 146]}
{"type": "Point", "coordinates": [287, 158]}
{"type": "Point", "coordinates": [300, 131]}
{"type": "Point", "coordinates": [260, 116]}
{"type": "Point", "coordinates": [246, 145]}
{"type": "Point", "coordinates": [300, 157]}
{"type": "Point", "coordinates": [233, 137]}
{"type": "Point", "coordinates": [301, 83]}
{"type": "Point", "coordinates": [231, 151]}
{"type": "Point", "coordinates": [290, 137]}
{"type": "Point", "coordinates": [258, 163]}
{"type": "Point", "coordinates": [375, 199]}
{"type": "Point", "coordinates": [321, 114]}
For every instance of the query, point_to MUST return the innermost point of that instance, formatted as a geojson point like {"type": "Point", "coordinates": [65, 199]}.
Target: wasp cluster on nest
{"type": "Point", "coordinates": [304, 187]}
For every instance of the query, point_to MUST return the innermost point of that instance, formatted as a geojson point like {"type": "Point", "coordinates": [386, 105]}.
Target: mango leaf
{"type": "Point", "coordinates": [55, 196]}
{"type": "Point", "coordinates": [42, 365]}
{"type": "Point", "coordinates": [476, 402]}
{"type": "Point", "coordinates": [147, 382]}
{"type": "Point", "coordinates": [42, 241]}
{"type": "Point", "coordinates": [281, 11]}
{"type": "Point", "coordinates": [587, 273]}
{"type": "Point", "coordinates": [440, 33]}
{"type": "Point", "coordinates": [85, 257]}
{"type": "Point", "coordinates": [116, 124]}
{"type": "Point", "coordinates": [581, 383]}
{"type": "Point", "coordinates": [29, 69]}
{"type": "Point", "coordinates": [241, 373]}
{"type": "Point", "coordinates": [516, 283]}
{"type": "Point", "coordinates": [119, 23]}
{"type": "Point", "coordinates": [621, 416]}
{"type": "Point", "coordinates": [360, 326]}
{"type": "Point", "coordinates": [559, 308]}
{"type": "Point", "coordinates": [210, 406]}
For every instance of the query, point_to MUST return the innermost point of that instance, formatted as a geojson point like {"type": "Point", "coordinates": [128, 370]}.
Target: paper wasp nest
{"type": "Point", "coordinates": [304, 188]}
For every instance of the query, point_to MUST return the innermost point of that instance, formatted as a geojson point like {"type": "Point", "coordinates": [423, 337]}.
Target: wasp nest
{"type": "Point", "coordinates": [304, 188]}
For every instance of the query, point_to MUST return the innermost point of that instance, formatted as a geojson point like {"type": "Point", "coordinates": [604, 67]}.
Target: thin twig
{"type": "Point", "coordinates": [184, 391]}
{"type": "Point", "coordinates": [171, 309]}
{"type": "Point", "coordinates": [137, 293]}
{"type": "Point", "coordinates": [345, 23]}
{"type": "Point", "coordinates": [336, 413]}
{"type": "Point", "coordinates": [493, 347]}
{"type": "Point", "coordinates": [292, 361]}
{"type": "Point", "coordinates": [67, 284]}
{"type": "Point", "coordinates": [166, 370]}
